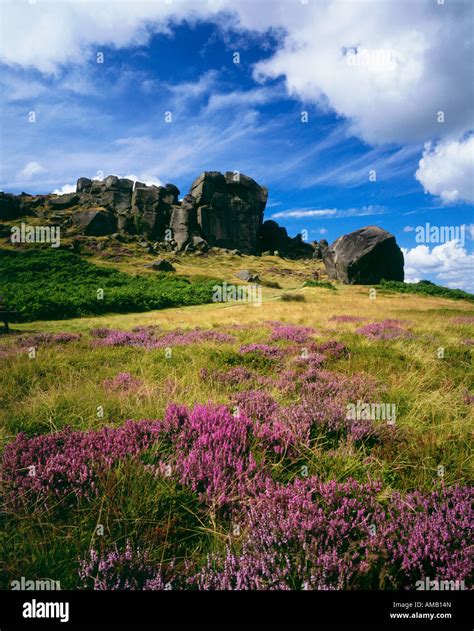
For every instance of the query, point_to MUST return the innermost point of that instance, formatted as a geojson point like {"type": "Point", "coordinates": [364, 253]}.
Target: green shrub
{"type": "Point", "coordinates": [55, 284]}
{"type": "Point", "coordinates": [324, 284]}
{"type": "Point", "coordinates": [293, 297]}
{"type": "Point", "coordinates": [426, 288]}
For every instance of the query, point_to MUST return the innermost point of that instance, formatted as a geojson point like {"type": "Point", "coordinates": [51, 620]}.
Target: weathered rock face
{"type": "Point", "coordinates": [273, 237]}
{"type": "Point", "coordinates": [14, 206]}
{"type": "Point", "coordinates": [364, 257]}
{"type": "Point", "coordinates": [184, 226]}
{"type": "Point", "coordinates": [97, 223]}
{"type": "Point", "coordinates": [222, 210]}
{"type": "Point", "coordinates": [112, 193]}
{"type": "Point", "coordinates": [229, 209]}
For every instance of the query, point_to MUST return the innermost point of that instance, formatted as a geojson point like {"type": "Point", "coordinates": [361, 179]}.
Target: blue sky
{"type": "Point", "coordinates": [371, 78]}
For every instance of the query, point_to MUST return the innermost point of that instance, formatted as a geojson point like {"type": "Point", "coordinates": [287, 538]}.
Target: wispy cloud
{"type": "Point", "coordinates": [330, 213]}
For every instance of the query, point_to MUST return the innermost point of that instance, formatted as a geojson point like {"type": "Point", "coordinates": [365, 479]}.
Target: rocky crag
{"type": "Point", "coordinates": [220, 210]}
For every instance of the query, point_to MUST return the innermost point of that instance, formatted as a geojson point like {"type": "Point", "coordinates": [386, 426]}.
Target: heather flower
{"type": "Point", "coordinates": [463, 320]}
{"type": "Point", "coordinates": [234, 377]}
{"type": "Point", "coordinates": [311, 360]}
{"type": "Point", "coordinates": [385, 330]}
{"type": "Point", "coordinates": [123, 382]}
{"type": "Point", "coordinates": [346, 318]}
{"type": "Point", "coordinates": [129, 569]}
{"type": "Point", "coordinates": [212, 453]}
{"type": "Point", "coordinates": [270, 352]}
{"type": "Point", "coordinates": [292, 333]}
{"type": "Point", "coordinates": [331, 348]}
{"type": "Point", "coordinates": [146, 337]}
{"type": "Point", "coordinates": [313, 535]}
{"type": "Point", "coordinates": [305, 535]}
{"type": "Point", "coordinates": [47, 339]}
{"type": "Point", "coordinates": [68, 464]}
{"type": "Point", "coordinates": [431, 535]}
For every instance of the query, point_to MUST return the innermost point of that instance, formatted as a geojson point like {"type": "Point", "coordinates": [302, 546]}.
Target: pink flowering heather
{"type": "Point", "coordinates": [47, 339]}
{"type": "Point", "coordinates": [292, 333]}
{"type": "Point", "coordinates": [323, 404]}
{"type": "Point", "coordinates": [270, 352]}
{"type": "Point", "coordinates": [305, 535]}
{"type": "Point", "coordinates": [147, 337]}
{"type": "Point", "coordinates": [114, 337]}
{"type": "Point", "coordinates": [463, 320]}
{"type": "Point", "coordinates": [314, 535]}
{"type": "Point", "coordinates": [129, 569]}
{"type": "Point", "coordinates": [311, 360]}
{"type": "Point", "coordinates": [385, 330]}
{"type": "Point", "coordinates": [234, 377]}
{"type": "Point", "coordinates": [123, 382]}
{"type": "Point", "coordinates": [345, 318]}
{"type": "Point", "coordinates": [196, 336]}
{"type": "Point", "coordinates": [468, 342]}
{"type": "Point", "coordinates": [212, 451]}
{"type": "Point", "coordinates": [331, 348]}
{"type": "Point", "coordinates": [431, 535]}
{"type": "Point", "coordinates": [68, 464]}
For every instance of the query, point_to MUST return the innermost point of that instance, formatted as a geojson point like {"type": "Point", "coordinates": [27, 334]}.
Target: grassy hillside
{"type": "Point", "coordinates": [187, 485]}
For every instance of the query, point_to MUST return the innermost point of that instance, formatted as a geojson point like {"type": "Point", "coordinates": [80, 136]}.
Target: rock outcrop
{"type": "Point", "coordinates": [220, 210]}
{"type": "Point", "coordinates": [274, 238]}
{"type": "Point", "coordinates": [363, 257]}
{"type": "Point", "coordinates": [229, 209]}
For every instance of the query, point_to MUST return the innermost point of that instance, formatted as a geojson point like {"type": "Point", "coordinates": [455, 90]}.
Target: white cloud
{"type": "Point", "coordinates": [305, 212]}
{"type": "Point", "coordinates": [447, 170]}
{"type": "Point", "coordinates": [385, 70]}
{"type": "Point", "coordinates": [426, 66]}
{"type": "Point", "coordinates": [429, 66]}
{"type": "Point", "coordinates": [330, 213]}
{"type": "Point", "coordinates": [408, 229]}
{"type": "Point", "coordinates": [149, 180]}
{"type": "Point", "coordinates": [30, 169]}
{"type": "Point", "coordinates": [67, 188]}
{"type": "Point", "coordinates": [449, 264]}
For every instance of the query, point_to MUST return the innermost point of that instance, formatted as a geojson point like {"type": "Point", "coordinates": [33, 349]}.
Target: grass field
{"type": "Point", "coordinates": [189, 491]}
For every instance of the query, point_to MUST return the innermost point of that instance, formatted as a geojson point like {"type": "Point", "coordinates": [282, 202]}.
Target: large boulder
{"type": "Point", "coordinates": [363, 257]}
{"type": "Point", "coordinates": [162, 265]}
{"type": "Point", "coordinates": [248, 276]}
{"type": "Point", "coordinates": [229, 209]}
{"type": "Point", "coordinates": [97, 223]}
